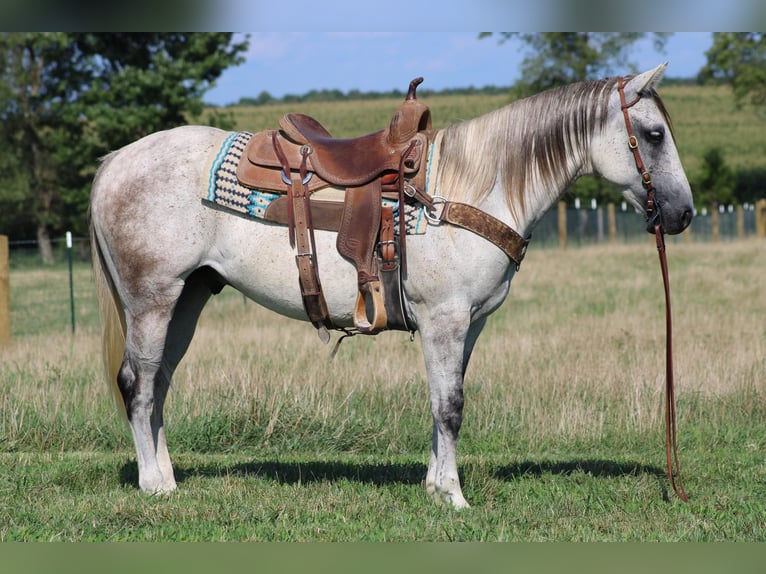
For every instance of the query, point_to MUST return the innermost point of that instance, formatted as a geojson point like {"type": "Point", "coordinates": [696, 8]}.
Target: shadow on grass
{"type": "Point", "coordinates": [393, 473]}
{"type": "Point", "coordinates": [593, 467]}
{"type": "Point", "coordinates": [294, 472]}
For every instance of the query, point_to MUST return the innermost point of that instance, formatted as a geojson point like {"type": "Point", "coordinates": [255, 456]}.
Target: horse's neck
{"type": "Point", "coordinates": [542, 195]}
{"type": "Point", "coordinates": [522, 160]}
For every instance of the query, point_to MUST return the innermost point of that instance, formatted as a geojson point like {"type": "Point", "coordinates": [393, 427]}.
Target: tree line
{"type": "Point", "coordinates": [67, 99]}
{"type": "Point", "coordinates": [264, 98]}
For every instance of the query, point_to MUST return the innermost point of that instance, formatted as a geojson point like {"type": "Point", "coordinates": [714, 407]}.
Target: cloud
{"type": "Point", "coordinates": [272, 45]}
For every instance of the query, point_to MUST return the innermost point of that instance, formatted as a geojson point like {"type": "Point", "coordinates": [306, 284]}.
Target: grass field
{"type": "Point", "coordinates": [563, 436]}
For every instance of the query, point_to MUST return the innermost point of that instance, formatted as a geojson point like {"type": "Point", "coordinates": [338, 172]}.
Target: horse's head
{"type": "Point", "coordinates": [636, 150]}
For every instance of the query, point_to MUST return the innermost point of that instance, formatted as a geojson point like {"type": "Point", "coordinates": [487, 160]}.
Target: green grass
{"type": "Point", "coordinates": [562, 439]}
{"type": "Point", "coordinates": [40, 297]}
{"type": "Point", "coordinates": [91, 497]}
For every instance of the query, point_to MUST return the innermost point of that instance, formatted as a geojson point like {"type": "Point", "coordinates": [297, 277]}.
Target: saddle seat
{"type": "Point", "coordinates": [356, 161]}
{"type": "Point", "coordinates": [338, 161]}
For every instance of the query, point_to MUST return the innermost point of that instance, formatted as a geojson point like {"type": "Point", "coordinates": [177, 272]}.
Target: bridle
{"type": "Point", "coordinates": [653, 214]}
{"type": "Point", "coordinates": [654, 225]}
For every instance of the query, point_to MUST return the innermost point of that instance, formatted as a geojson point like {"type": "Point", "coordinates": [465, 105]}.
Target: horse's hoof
{"type": "Point", "coordinates": [156, 489]}
{"type": "Point", "coordinates": [457, 501]}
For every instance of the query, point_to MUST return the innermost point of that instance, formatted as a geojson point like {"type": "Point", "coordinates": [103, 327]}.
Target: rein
{"type": "Point", "coordinates": [654, 225]}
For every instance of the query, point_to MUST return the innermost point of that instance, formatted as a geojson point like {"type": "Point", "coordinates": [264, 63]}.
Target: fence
{"type": "Point", "coordinates": [579, 224]}
{"type": "Point", "coordinates": [61, 297]}
{"type": "Point", "coordinates": [39, 298]}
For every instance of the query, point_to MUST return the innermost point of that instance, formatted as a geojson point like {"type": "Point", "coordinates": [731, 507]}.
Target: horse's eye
{"type": "Point", "coordinates": [656, 135]}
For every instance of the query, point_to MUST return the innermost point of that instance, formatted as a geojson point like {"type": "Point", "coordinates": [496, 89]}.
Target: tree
{"type": "Point", "coordinates": [68, 98]}
{"type": "Point", "coordinates": [716, 182]}
{"type": "Point", "coordinates": [738, 59]}
{"type": "Point", "coordinates": [558, 58]}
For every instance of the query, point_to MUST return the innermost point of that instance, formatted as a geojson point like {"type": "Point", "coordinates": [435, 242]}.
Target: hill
{"type": "Point", "coordinates": [703, 116]}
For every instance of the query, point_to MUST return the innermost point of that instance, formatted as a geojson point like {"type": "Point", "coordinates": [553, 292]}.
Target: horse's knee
{"type": "Point", "coordinates": [449, 412]}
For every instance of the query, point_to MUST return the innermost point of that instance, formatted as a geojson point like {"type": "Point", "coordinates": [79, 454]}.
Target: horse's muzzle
{"type": "Point", "coordinates": [656, 218]}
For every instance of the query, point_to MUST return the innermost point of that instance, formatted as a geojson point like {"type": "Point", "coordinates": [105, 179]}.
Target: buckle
{"type": "Point", "coordinates": [436, 219]}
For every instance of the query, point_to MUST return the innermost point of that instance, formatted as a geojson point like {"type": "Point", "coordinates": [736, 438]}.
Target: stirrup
{"type": "Point", "coordinates": [373, 290]}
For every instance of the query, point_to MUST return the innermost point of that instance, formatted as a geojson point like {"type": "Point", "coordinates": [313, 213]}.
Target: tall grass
{"type": "Point", "coordinates": [576, 353]}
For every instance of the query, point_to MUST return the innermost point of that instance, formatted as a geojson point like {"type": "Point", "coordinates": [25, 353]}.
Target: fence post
{"type": "Point", "coordinates": [714, 220]}
{"type": "Point", "coordinates": [740, 222]}
{"type": "Point", "coordinates": [760, 218]}
{"type": "Point", "coordinates": [5, 292]}
{"type": "Point", "coordinates": [562, 224]}
{"type": "Point", "coordinates": [71, 278]}
{"type": "Point", "coordinates": [612, 223]}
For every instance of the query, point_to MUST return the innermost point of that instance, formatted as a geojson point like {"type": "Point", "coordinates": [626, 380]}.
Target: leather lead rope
{"type": "Point", "coordinates": [653, 226]}
{"type": "Point", "coordinates": [671, 445]}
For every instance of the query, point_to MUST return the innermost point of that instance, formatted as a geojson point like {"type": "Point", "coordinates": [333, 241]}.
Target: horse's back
{"type": "Point", "coordinates": [168, 152]}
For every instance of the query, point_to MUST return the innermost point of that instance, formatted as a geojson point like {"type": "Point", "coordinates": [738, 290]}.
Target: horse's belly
{"type": "Point", "coordinates": [256, 259]}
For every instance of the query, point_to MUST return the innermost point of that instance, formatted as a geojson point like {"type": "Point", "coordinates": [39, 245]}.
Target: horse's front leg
{"type": "Point", "coordinates": [447, 347]}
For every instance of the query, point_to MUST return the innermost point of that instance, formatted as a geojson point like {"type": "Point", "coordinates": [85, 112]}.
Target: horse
{"type": "Point", "coordinates": [159, 252]}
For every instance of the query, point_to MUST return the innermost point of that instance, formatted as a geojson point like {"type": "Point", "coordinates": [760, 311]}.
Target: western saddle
{"type": "Point", "coordinates": [301, 158]}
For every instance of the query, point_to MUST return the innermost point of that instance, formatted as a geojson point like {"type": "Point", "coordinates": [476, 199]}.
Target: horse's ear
{"type": "Point", "coordinates": [648, 80]}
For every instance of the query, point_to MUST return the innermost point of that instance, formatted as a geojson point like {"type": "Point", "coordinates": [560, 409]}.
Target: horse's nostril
{"type": "Point", "coordinates": [686, 218]}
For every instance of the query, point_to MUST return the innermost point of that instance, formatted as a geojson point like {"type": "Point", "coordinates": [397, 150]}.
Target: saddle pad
{"type": "Point", "coordinates": [224, 188]}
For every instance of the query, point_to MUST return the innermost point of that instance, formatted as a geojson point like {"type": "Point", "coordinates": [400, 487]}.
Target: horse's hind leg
{"type": "Point", "coordinates": [198, 289]}
{"type": "Point", "coordinates": [156, 341]}
{"type": "Point", "coordinates": [137, 380]}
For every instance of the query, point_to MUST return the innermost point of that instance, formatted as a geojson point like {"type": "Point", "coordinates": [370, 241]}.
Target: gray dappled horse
{"type": "Point", "coordinates": [160, 253]}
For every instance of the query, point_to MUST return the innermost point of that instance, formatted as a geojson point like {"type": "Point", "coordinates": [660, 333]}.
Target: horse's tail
{"type": "Point", "coordinates": [113, 326]}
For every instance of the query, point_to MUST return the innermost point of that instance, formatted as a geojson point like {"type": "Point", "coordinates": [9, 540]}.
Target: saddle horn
{"type": "Point", "coordinates": [412, 117]}
{"type": "Point", "coordinates": [411, 95]}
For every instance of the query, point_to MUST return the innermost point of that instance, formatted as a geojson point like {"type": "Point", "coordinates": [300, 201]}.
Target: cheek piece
{"type": "Point", "coordinates": [653, 211]}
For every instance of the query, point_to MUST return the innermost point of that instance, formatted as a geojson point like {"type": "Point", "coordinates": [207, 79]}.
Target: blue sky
{"type": "Point", "coordinates": [297, 62]}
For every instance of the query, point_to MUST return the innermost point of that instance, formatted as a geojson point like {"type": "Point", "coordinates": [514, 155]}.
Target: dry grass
{"type": "Point", "coordinates": [577, 351]}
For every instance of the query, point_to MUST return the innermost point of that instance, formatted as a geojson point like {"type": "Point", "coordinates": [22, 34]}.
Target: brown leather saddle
{"type": "Point", "coordinates": [302, 158]}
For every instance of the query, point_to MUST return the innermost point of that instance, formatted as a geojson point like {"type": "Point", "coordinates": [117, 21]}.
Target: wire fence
{"type": "Point", "coordinates": [48, 299]}
{"type": "Point", "coordinates": [590, 224]}
{"type": "Point", "coordinates": [61, 297]}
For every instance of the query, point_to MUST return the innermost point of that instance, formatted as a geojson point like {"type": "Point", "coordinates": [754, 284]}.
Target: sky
{"type": "Point", "coordinates": [295, 63]}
